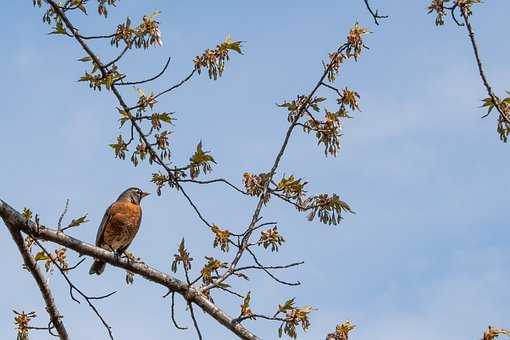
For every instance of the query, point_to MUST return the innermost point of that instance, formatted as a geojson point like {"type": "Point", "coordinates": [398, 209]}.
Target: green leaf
{"type": "Point", "coordinates": [200, 156]}
{"type": "Point", "coordinates": [166, 117]}
{"type": "Point", "coordinates": [59, 28]}
{"type": "Point", "coordinates": [289, 304]}
{"type": "Point", "coordinates": [85, 59]}
{"type": "Point", "coordinates": [223, 285]}
{"type": "Point", "coordinates": [233, 45]}
{"type": "Point", "coordinates": [41, 256]}
{"type": "Point", "coordinates": [76, 222]}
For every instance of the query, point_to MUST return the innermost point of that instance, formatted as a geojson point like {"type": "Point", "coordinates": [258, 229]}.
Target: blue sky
{"type": "Point", "coordinates": [425, 257]}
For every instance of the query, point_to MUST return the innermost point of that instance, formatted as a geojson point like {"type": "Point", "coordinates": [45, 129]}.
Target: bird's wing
{"type": "Point", "coordinates": [104, 222]}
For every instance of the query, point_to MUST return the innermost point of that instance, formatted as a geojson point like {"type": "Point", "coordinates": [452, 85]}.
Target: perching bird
{"type": "Point", "coordinates": [119, 225]}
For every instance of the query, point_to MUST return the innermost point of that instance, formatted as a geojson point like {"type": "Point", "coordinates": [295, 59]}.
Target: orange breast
{"type": "Point", "coordinates": [122, 225]}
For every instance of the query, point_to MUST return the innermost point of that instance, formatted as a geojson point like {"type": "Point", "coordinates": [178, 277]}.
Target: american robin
{"type": "Point", "coordinates": [119, 225]}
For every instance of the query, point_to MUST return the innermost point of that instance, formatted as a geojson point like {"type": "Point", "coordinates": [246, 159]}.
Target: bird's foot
{"type": "Point", "coordinates": [131, 257]}
{"type": "Point", "coordinates": [116, 254]}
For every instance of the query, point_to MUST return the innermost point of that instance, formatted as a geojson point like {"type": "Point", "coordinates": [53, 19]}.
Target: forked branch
{"type": "Point", "coordinates": [16, 223]}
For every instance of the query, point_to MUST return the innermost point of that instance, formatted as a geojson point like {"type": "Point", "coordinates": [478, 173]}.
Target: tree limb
{"type": "Point", "coordinates": [15, 221]}
{"type": "Point", "coordinates": [479, 64]}
{"type": "Point", "coordinates": [55, 316]}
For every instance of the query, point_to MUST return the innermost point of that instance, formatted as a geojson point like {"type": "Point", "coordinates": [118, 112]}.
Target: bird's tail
{"type": "Point", "coordinates": [97, 267]}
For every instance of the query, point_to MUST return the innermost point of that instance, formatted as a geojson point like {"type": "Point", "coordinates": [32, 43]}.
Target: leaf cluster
{"type": "Point", "coordinates": [441, 8]}
{"type": "Point", "coordinates": [271, 238]}
{"type": "Point", "coordinates": [59, 256]}
{"type": "Point", "coordinates": [210, 268]}
{"type": "Point", "coordinates": [255, 184]}
{"type": "Point", "coordinates": [355, 41]}
{"type": "Point", "coordinates": [503, 105]}
{"type": "Point", "coordinates": [342, 331]}
{"type": "Point", "coordinates": [145, 35]}
{"type": "Point", "coordinates": [22, 322]}
{"type": "Point", "coordinates": [328, 208]}
{"type": "Point", "coordinates": [214, 60]}
{"type": "Point", "coordinates": [291, 187]}
{"type": "Point", "coordinates": [200, 160]}
{"type": "Point", "coordinates": [294, 317]}
{"type": "Point", "coordinates": [221, 238]}
{"type": "Point", "coordinates": [245, 308]}
{"type": "Point", "coordinates": [328, 131]}
{"type": "Point", "coordinates": [183, 257]}
{"type": "Point", "coordinates": [97, 80]}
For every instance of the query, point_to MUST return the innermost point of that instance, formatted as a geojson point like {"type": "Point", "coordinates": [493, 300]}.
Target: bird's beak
{"type": "Point", "coordinates": [145, 194]}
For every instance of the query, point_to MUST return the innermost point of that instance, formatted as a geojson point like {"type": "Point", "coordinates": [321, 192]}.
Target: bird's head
{"type": "Point", "coordinates": [134, 195]}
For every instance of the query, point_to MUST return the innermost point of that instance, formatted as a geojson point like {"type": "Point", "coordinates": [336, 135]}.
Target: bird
{"type": "Point", "coordinates": [119, 225]}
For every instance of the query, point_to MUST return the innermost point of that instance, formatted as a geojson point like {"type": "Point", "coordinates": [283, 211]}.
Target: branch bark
{"type": "Point", "coordinates": [479, 64]}
{"type": "Point", "coordinates": [16, 223]}
{"type": "Point", "coordinates": [375, 14]}
{"type": "Point", "coordinates": [51, 307]}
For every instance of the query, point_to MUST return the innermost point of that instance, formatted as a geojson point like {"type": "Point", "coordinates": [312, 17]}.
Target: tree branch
{"type": "Point", "coordinates": [195, 323]}
{"type": "Point", "coordinates": [51, 307]}
{"type": "Point", "coordinates": [173, 314]}
{"type": "Point", "coordinates": [218, 180]}
{"type": "Point", "coordinates": [149, 79]}
{"type": "Point", "coordinates": [375, 14]}
{"type": "Point", "coordinates": [72, 287]}
{"type": "Point", "coordinates": [488, 87]}
{"type": "Point", "coordinates": [102, 68]}
{"type": "Point", "coordinates": [16, 221]}
{"type": "Point", "coordinates": [256, 214]}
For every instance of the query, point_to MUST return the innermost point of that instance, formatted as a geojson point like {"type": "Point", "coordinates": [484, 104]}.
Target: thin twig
{"type": "Point", "coordinates": [297, 283]}
{"type": "Point", "coordinates": [375, 14]}
{"type": "Point", "coordinates": [231, 292]}
{"type": "Point", "coordinates": [454, 17]}
{"type": "Point", "coordinates": [337, 91]}
{"type": "Point", "coordinates": [264, 225]}
{"type": "Point", "coordinates": [488, 87]}
{"type": "Point", "coordinates": [260, 316]}
{"type": "Point", "coordinates": [218, 180]}
{"type": "Point", "coordinates": [149, 79]}
{"type": "Point", "coordinates": [173, 314]}
{"type": "Point", "coordinates": [59, 225]}
{"type": "Point", "coordinates": [96, 36]}
{"type": "Point", "coordinates": [271, 267]}
{"type": "Point", "coordinates": [195, 323]}
{"type": "Point", "coordinates": [126, 48]}
{"type": "Point", "coordinates": [194, 206]}
{"type": "Point", "coordinates": [75, 266]}
{"type": "Point", "coordinates": [178, 84]}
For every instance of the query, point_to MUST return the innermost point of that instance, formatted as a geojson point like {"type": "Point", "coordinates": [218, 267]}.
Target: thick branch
{"type": "Point", "coordinates": [16, 221]}
{"type": "Point", "coordinates": [51, 307]}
